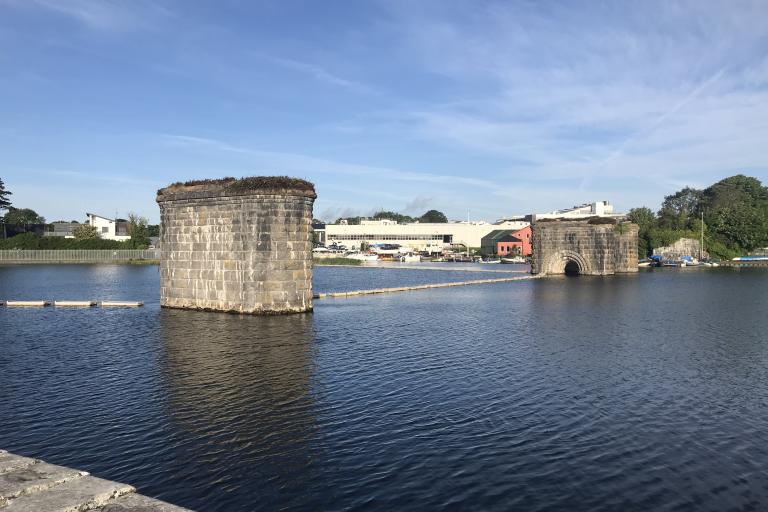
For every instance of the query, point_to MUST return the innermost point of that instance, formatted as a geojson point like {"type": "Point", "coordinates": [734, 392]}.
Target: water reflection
{"type": "Point", "coordinates": [241, 385]}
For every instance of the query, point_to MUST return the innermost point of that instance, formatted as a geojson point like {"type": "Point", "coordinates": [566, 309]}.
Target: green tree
{"type": "Point", "coordinates": [23, 216]}
{"type": "Point", "coordinates": [5, 203]}
{"type": "Point", "coordinates": [399, 217]}
{"type": "Point", "coordinates": [646, 221]}
{"type": "Point", "coordinates": [736, 213]}
{"type": "Point", "coordinates": [678, 209]}
{"type": "Point", "coordinates": [433, 216]}
{"type": "Point", "coordinates": [352, 221]}
{"type": "Point", "coordinates": [137, 228]}
{"type": "Point", "coordinates": [86, 232]}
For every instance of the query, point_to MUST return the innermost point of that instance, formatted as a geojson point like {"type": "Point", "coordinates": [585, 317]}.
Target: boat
{"type": "Point", "coordinates": [459, 258]}
{"type": "Point", "coordinates": [410, 257]}
{"type": "Point", "coordinates": [516, 259]}
{"type": "Point", "coordinates": [491, 261]}
{"type": "Point", "coordinates": [361, 256]}
{"type": "Point", "coordinates": [750, 258]}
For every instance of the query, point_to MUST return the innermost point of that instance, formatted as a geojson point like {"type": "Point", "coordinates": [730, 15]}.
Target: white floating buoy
{"type": "Point", "coordinates": [123, 304]}
{"type": "Point", "coordinates": [75, 303]}
{"type": "Point", "coordinates": [27, 303]}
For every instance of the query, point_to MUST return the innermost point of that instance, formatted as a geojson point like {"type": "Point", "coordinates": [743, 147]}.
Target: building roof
{"type": "Point", "coordinates": [99, 216]}
{"type": "Point", "coordinates": [500, 235]}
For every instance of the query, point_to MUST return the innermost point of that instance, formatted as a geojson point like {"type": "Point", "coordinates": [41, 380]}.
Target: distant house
{"type": "Point", "coordinates": [62, 229]}
{"type": "Point", "coordinates": [505, 242]}
{"type": "Point", "coordinates": [524, 234]}
{"type": "Point", "coordinates": [500, 242]}
{"type": "Point", "coordinates": [109, 229]}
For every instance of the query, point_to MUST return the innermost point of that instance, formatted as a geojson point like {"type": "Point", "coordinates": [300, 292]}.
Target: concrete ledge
{"type": "Point", "coordinates": [33, 478]}
{"type": "Point", "coordinates": [10, 462]}
{"type": "Point", "coordinates": [83, 493]}
{"type": "Point", "coordinates": [30, 485]}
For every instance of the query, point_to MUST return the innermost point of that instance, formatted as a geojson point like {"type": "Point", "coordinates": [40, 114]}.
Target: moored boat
{"type": "Point", "coordinates": [361, 256]}
{"type": "Point", "coordinates": [516, 259]}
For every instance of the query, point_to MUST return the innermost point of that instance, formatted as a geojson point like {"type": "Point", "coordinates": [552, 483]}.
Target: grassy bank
{"type": "Point", "coordinates": [337, 261]}
{"type": "Point", "coordinates": [144, 262]}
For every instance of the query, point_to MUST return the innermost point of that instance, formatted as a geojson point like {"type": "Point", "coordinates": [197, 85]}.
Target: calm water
{"type": "Point", "coordinates": [645, 392]}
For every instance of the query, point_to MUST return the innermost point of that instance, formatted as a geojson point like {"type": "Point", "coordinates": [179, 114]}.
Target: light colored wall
{"type": "Point", "coordinates": [246, 251]}
{"type": "Point", "coordinates": [106, 227]}
{"type": "Point", "coordinates": [598, 249]}
{"type": "Point", "coordinates": [469, 234]}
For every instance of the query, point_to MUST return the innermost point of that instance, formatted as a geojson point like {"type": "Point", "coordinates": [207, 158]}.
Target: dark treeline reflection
{"type": "Point", "coordinates": [239, 392]}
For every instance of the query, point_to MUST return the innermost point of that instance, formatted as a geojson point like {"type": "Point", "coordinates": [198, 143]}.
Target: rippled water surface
{"type": "Point", "coordinates": [644, 392]}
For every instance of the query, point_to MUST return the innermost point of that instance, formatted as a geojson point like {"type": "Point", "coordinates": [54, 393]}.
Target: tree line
{"type": "Point", "coordinates": [734, 211]}
{"type": "Point", "coordinates": [431, 216]}
{"type": "Point", "coordinates": [85, 235]}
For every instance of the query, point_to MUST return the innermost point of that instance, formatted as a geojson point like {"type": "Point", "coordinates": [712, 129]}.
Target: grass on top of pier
{"type": "Point", "coordinates": [248, 183]}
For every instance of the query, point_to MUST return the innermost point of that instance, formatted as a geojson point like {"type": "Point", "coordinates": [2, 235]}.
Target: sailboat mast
{"type": "Point", "coordinates": [701, 245]}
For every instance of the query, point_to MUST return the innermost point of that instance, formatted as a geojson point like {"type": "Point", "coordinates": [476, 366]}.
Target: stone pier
{"type": "Point", "coordinates": [31, 485]}
{"type": "Point", "coordinates": [237, 245]}
{"type": "Point", "coordinates": [590, 247]}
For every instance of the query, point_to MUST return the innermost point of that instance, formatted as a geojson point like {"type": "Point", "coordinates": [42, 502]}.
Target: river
{"type": "Point", "coordinates": [637, 392]}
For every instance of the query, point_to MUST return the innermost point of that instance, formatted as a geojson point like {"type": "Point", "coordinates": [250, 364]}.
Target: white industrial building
{"type": "Point", "coordinates": [434, 237]}
{"type": "Point", "coordinates": [430, 237]}
{"type": "Point", "coordinates": [596, 209]}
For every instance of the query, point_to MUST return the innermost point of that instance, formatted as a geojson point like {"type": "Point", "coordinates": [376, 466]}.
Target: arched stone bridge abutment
{"type": "Point", "coordinates": [596, 248]}
{"type": "Point", "coordinates": [556, 263]}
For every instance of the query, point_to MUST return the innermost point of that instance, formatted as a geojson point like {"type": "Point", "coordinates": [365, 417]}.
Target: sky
{"type": "Point", "coordinates": [475, 108]}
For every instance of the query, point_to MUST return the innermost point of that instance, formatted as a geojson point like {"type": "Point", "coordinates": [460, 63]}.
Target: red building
{"type": "Point", "coordinates": [505, 242]}
{"type": "Point", "coordinates": [526, 244]}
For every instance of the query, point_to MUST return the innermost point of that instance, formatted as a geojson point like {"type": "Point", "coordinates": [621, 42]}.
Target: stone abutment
{"type": "Point", "coordinates": [241, 246]}
{"type": "Point", "coordinates": [594, 249]}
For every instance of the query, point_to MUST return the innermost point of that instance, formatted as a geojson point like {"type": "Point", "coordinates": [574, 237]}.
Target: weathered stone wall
{"type": "Point", "coordinates": [683, 247]}
{"type": "Point", "coordinates": [597, 249]}
{"type": "Point", "coordinates": [232, 248]}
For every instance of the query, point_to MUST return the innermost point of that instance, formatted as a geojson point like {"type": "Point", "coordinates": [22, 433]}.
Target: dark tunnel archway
{"type": "Point", "coordinates": [572, 268]}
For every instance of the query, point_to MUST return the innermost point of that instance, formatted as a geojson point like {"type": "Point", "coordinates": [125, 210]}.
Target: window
{"type": "Point", "coordinates": [105, 229]}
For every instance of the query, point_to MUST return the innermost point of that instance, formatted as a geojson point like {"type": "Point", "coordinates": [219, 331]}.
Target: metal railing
{"type": "Point", "coordinates": [77, 255]}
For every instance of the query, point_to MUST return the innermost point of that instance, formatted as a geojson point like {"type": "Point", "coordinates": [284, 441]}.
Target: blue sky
{"type": "Point", "coordinates": [495, 108]}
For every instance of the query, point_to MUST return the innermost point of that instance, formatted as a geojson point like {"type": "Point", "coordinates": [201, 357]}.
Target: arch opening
{"type": "Point", "coordinates": [572, 268]}
{"type": "Point", "coordinates": [566, 262]}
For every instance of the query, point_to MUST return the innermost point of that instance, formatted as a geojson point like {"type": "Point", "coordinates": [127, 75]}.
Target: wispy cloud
{"type": "Point", "coordinates": [101, 15]}
{"type": "Point", "coordinates": [116, 178]}
{"type": "Point", "coordinates": [321, 74]}
{"type": "Point", "coordinates": [306, 164]}
{"type": "Point", "coordinates": [569, 92]}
